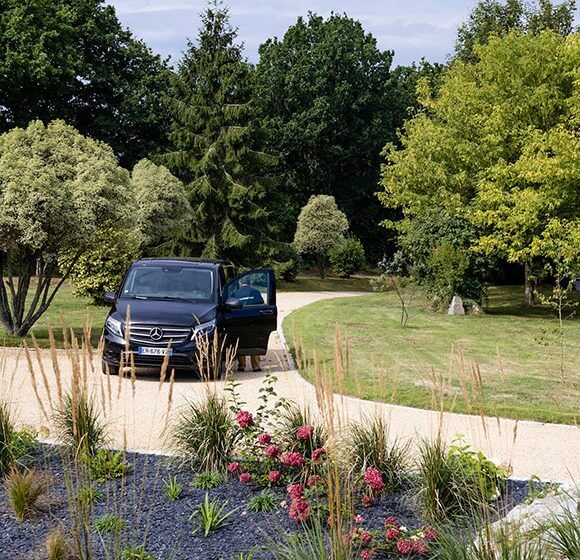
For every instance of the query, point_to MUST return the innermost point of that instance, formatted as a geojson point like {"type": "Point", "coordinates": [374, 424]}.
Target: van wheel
{"type": "Point", "coordinates": [106, 367]}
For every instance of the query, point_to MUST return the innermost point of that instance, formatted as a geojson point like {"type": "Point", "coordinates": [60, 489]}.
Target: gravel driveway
{"type": "Point", "coordinates": [137, 415]}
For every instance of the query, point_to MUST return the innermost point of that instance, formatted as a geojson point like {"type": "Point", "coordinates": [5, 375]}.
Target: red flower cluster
{"type": "Point", "coordinates": [292, 459]}
{"type": "Point", "coordinates": [373, 479]}
{"type": "Point", "coordinates": [264, 439]}
{"type": "Point", "coordinates": [366, 554]}
{"type": "Point", "coordinates": [406, 543]}
{"type": "Point", "coordinates": [304, 432]}
{"type": "Point", "coordinates": [392, 534]}
{"type": "Point", "coordinates": [233, 468]}
{"type": "Point", "coordinates": [272, 451]}
{"type": "Point", "coordinates": [299, 507]}
{"type": "Point", "coordinates": [244, 419]}
{"type": "Point", "coordinates": [318, 453]}
{"type": "Point", "coordinates": [430, 533]}
{"type": "Point", "coordinates": [405, 546]}
{"type": "Point", "coordinates": [274, 477]}
{"type": "Point", "coordinates": [313, 480]}
{"type": "Point", "coordinates": [246, 478]}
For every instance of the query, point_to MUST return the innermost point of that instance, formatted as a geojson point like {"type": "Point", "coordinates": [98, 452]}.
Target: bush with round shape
{"type": "Point", "coordinates": [347, 258]}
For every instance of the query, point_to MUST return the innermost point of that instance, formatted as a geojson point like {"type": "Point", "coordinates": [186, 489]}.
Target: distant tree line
{"type": "Point", "coordinates": [225, 156]}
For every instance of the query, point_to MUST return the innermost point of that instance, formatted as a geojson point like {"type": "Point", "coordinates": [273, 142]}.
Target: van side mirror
{"type": "Point", "coordinates": [110, 297]}
{"type": "Point", "coordinates": [233, 303]}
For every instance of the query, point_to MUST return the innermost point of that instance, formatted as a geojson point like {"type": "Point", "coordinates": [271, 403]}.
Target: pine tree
{"type": "Point", "coordinates": [214, 140]}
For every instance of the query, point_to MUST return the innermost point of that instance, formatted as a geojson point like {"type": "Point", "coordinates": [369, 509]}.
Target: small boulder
{"type": "Point", "coordinates": [456, 307]}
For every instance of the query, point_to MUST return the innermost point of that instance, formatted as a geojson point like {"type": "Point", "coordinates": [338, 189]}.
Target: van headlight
{"type": "Point", "coordinates": [203, 329]}
{"type": "Point", "coordinates": [114, 327]}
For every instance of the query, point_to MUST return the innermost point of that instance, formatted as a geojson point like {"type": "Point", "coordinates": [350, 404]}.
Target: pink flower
{"type": "Point", "coordinates": [244, 419]}
{"type": "Point", "coordinates": [318, 453]}
{"type": "Point", "coordinates": [366, 554]}
{"type": "Point", "coordinates": [296, 491]}
{"type": "Point", "coordinates": [264, 439]}
{"type": "Point", "coordinates": [246, 478]}
{"type": "Point", "coordinates": [392, 534]}
{"type": "Point", "coordinates": [430, 533]}
{"type": "Point", "coordinates": [299, 510]}
{"type": "Point", "coordinates": [366, 537]}
{"type": "Point", "coordinates": [374, 479]}
{"type": "Point", "coordinates": [358, 519]}
{"type": "Point", "coordinates": [304, 432]}
{"type": "Point", "coordinates": [292, 459]}
{"type": "Point", "coordinates": [313, 480]}
{"type": "Point", "coordinates": [420, 547]}
{"type": "Point", "coordinates": [233, 467]}
{"type": "Point", "coordinates": [391, 521]}
{"type": "Point", "coordinates": [272, 451]}
{"type": "Point", "coordinates": [367, 501]}
{"type": "Point", "coordinates": [405, 546]}
{"type": "Point", "coordinates": [274, 477]}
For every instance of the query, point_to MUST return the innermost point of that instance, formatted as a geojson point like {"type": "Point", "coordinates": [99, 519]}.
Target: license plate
{"type": "Point", "coordinates": [148, 351]}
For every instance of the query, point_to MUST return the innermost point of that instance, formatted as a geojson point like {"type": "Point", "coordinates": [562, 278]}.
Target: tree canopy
{"type": "Point", "coordinates": [57, 190]}
{"type": "Point", "coordinates": [328, 104]}
{"type": "Point", "coordinates": [72, 60]}
{"type": "Point", "coordinates": [215, 146]}
{"type": "Point", "coordinates": [499, 145]}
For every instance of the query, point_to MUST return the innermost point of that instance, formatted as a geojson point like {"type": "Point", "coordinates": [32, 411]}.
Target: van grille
{"type": "Point", "coordinates": [158, 335]}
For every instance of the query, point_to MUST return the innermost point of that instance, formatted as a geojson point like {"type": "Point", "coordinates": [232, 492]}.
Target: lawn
{"type": "Point", "coordinates": [505, 362]}
{"type": "Point", "coordinates": [311, 283]}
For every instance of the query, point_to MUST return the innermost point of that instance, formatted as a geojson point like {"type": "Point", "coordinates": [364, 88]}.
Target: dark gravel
{"type": "Point", "coordinates": [164, 525]}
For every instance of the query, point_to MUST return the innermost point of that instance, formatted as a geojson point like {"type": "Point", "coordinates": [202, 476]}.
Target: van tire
{"type": "Point", "coordinates": [113, 370]}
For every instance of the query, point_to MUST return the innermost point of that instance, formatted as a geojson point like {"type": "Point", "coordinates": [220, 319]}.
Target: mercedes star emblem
{"type": "Point", "coordinates": [156, 333]}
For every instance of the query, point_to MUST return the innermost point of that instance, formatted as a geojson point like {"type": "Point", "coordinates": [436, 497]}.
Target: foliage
{"type": "Point", "coordinates": [106, 464]}
{"type": "Point", "coordinates": [283, 258]}
{"type": "Point", "coordinates": [23, 489]}
{"type": "Point", "coordinates": [291, 419]}
{"type": "Point", "coordinates": [88, 495]}
{"type": "Point", "coordinates": [328, 102]}
{"type": "Point", "coordinates": [214, 146]}
{"type": "Point", "coordinates": [457, 481]}
{"type": "Point", "coordinates": [56, 545]}
{"type": "Point", "coordinates": [109, 523]}
{"type": "Point", "coordinates": [266, 500]}
{"type": "Point", "coordinates": [72, 60]}
{"type": "Point", "coordinates": [563, 535]}
{"type": "Point", "coordinates": [6, 438]}
{"type": "Point", "coordinates": [205, 435]}
{"type": "Point", "coordinates": [103, 266]}
{"type": "Point", "coordinates": [172, 488]}
{"type": "Point", "coordinates": [369, 445]}
{"type": "Point", "coordinates": [494, 18]}
{"type": "Point", "coordinates": [24, 445]}
{"type": "Point", "coordinates": [210, 516]}
{"type": "Point", "coordinates": [348, 258]}
{"type": "Point", "coordinates": [208, 480]}
{"type": "Point", "coordinates": [496, 146]}
{"type": "Point", "coordinates": [136, 553]}
{"type": "Point", "coordinates": [321, 227]}
{"type": "Point", "coordinates": [78, 423]}
{"type": "Point", "coordinates": [163, 207]}
{"type": "Point", "coordinates": [57, 190]}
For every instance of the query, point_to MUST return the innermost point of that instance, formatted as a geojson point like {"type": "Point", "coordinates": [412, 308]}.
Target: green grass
{"type": "Point", "coordinates": [308, 283]}
{"type": "Point", "coordinates": [433, 361]}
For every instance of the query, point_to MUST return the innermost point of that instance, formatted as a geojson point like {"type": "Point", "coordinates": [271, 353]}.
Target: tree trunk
{"type": "Point", "coordinates": [529, 284]}
{"type": "Point", "coordinates": [320, 262]}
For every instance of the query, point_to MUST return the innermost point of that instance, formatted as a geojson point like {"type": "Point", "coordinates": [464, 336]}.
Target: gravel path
{"type": "Point", "coordinates": [137, 414]}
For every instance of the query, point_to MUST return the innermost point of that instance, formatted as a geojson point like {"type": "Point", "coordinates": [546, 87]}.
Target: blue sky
{"type": "Point", "coordinates": [412, 28]}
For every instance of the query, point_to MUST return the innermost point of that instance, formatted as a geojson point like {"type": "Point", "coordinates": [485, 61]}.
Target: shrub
{"type": "Point", "coordinates": [208, 480]}
{"type": "Point", "coordinates": [210, 516]}
{"type": "Point", "coordinates": [266, 500]}
{"type": "Point", "coordinates": [106, 464]}
{"type": "Point", "coordinates": [56, 545]}
{"type": "Point", "coordinates": [172, 488]}
{"type": "Point", "coordinates": [456, 482]}
{"type": "Point", "coordinates": [23, 489]}
{"type": "Point", "coordinates": [291, 420]}
{"type": "Point", "coordinates": [23, 446]}
{"type": "Point", "coordinates": [205, 435]}
{"type": "Point", "coordinates": [563, 536]}
{"type": "Point", "coordinates": [109, 523]}
{"type": "Point", "coordinates": [284, 259]}
{"type": "Point", "coordinates": [347, 258]}
{"type": "Point", "coordinates": [369, 446]}
{"type": "Point", "coordinates": [6, 435]}
{"type": "Point", "coordinates": [78, 423]}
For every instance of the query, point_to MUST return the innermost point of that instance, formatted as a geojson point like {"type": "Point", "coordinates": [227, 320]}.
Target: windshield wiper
{"type": "Point", "coordinates": [175, 298]}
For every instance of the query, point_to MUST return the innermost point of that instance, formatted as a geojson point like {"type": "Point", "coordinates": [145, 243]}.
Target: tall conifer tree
{"type": "Point", "coordinates": [214, 140]}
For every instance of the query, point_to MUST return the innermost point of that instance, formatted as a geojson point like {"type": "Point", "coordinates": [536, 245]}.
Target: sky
{"type": "Point", "coordinates": [412, 28]}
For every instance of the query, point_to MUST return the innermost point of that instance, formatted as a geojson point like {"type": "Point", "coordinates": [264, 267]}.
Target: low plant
{"type": "Point", "coordinates": [106, 464]}
{"type": "Point", "coordinates": [109, 523]}
{"type": "Point", "coordinates": [211, 516]}
{"type": "Point", "coordinates": [172, 488]}
{"type": "Point", "coordinates": [205, 435]}
{"type": "Point", "coordinates": [266, 500]}
{"type": "Point", "coordinates": [369, 445]}
{"type": "Point", "coordinates": [291, 420]}
{"type": "Point", "coordinates": [563, 535]}
{"type": "Point", "coordinates": [6, 435]}
{"type": "Point", "coordinates": [23, 446]}
{"type": "Point", "coordinates": [23, 489]}
{"type": "Point", "coordinates": [208, 480]}
{"type": "Point", "coordinates": [56, 545]}
{"type": "Point", "coordinates": [135, 553]}
{"type": "Point", "coordinates": [88, 495]}
{"type": "Point", "coordinates": [79, 423]}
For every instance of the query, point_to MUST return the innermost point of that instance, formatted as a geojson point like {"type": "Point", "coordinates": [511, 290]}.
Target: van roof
{"type": "Point", "coordinates": [191, 260]}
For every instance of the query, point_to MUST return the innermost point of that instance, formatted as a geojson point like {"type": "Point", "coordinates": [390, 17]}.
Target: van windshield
{"type": "Point", "coordinates": [169, 282]}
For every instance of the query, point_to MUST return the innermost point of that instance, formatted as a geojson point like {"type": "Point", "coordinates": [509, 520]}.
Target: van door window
{"type": "Point", "coordinates": [251, 289]}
